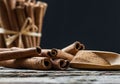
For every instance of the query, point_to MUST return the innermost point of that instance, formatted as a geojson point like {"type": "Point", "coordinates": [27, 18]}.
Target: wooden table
{"type": "Point", "coordinates": [17, 76]}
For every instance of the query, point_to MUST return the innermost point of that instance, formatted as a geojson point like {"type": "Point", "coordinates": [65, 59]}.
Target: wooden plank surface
{"type": "Point", "coordinates": [17, 76]}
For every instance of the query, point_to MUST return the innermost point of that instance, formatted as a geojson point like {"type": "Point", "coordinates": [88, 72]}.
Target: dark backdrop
{"type": "Point", "coordinates": [96, 23]}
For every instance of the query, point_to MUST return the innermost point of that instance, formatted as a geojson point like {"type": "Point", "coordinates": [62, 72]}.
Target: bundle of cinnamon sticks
{"type": "Point", "coordinates": [37, 58]}
{"type": "Point", "coordinates": [21, 21]}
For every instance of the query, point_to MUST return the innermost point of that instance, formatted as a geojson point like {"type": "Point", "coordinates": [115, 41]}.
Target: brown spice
{"type": "Point", "coordinates": [17, 54]}
{"type": "Point", "coordinates": [89, 57]}
{"type": "Point", "coordinates": [63, 55]}
{"type": "Point", "coordinates": [21, 19]}
{"type": "Point", "coordinates": [48, 53]}
{"type": "Point", "coordinates": [40, 63]}
{"type": "Point", "coordinates": [60, 64]}
{"type": "Point", "coordinates": [39, 13]}
{"type": "Point", "coordinates": [2, 41]}
{"type": "Point", "coordinates": [74, 48]}
{"type": "Point", "coordinates": [30, 13]}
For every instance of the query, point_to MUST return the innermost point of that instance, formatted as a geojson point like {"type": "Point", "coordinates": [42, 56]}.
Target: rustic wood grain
{"type": "Point", "coordinates": [71, 76]}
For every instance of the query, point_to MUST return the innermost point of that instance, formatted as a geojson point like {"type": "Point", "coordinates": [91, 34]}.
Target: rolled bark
{"type": "Point", "coordinates": [16, 48]}
{"type": "Point", "coordinates": [74, 48]}
{"type": "Point", "coordinates": [5, 22]}
{"type": "Point", "coordinates": [60, 64]}
{"type": "Point", "coordinates": [17, 54]}
{"type": "Point", "coordinates": [33, 1]}
{"type": "Point", "coordinates": [30, 13]}
{"type": "Point", "coordinates": [48, 53]}
{"type": "Point", "coordinates": [4, 15]}
{"type": "Point", "coordinates": [43, 4]}
{"type": "Point", "coordinates": [11, 4]}
{"type": "Point", "coordinates": [4, 49]}
{"type": "Point", "coordinates": [0, 21]}
{"type": "Point", "coordinates": [39, 13]}
{"type": "Point", "coordinates": [10, 49]}
{"type": "Point", "coordinates": [20, 2]}
{"type": "Point", "coordinates": [21, 17]}
{"type": "Point", "coordinates": [27, 0]}
{"type": "Point", "coordinates": [66, 63]}
{"type": "Point", "coordinates": [38, 63]}
{"type": "Point", "coordinates": [2, 39]}
{"type": "Point", "coordinates": [28, 38]}
{"type": "Point", "coordinates": [63, 55]}
{"type": "Point", "coordinates": [2, 42]}
{"type": "Point", "coordinates": [13, 21]}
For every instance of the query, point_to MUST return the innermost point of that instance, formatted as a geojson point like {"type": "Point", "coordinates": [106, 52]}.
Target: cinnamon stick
{"type": "Point", "coordinates": [37, 11]}
{"type": "Point", "coordinates": [2, 42]}
{"type": "Point", "coordinates": [16, 48]}
{"type": "Point", "coordinates": [0, 21]}
{"type": "Point", "coordinates": [33, 1]}
{"type": "Point", "coordinates": [30, 13]}
{"type": "Point", "coordinates": [39, 15]}
{"type": "Point", "coordinates": [10, 6]}
{"type": "Point", "coordinates": [28, 38]}
{"type": "Point", "coordinates": [20, 12]}
{"type": "Point", "coordinates": [1, 36]}
{"type": "Point", "coordinates": [22, 1]}
{"type": "Point", "coordinates": [2, 39]}
{"type": "Point", "coordinates": [63, 55]}
{"type": "Point", "coordinates": [5, 22]}
{"type": "Point", "coordinates": [4, 15]}
{"type": "Point", "coordinates": [48, 53]}
{"type": "Point", "coordinates": [17, 54]}
{"type": "Point", "coordinates": [66, 63]}
{"type": "Point", "coordinates": [60, 64]}
{"type": "Point", "coordinates": [38, 63]}
{"type": "Point", "coordinates": [29, 1]}
{"type": "Point", "coordinates": [20, 16]}
{"type": "Point", "coordinates": [10, 49]}
{"type": "Point", "coordinates": [4, 49]}
{"type": "Point", "coordinates": [45, 6]}
{"type": "Point", "coordinates": [74, 48]}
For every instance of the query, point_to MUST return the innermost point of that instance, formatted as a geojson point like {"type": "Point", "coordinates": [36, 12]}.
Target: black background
{"type": "Point", "coordinates": [95, 23]}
